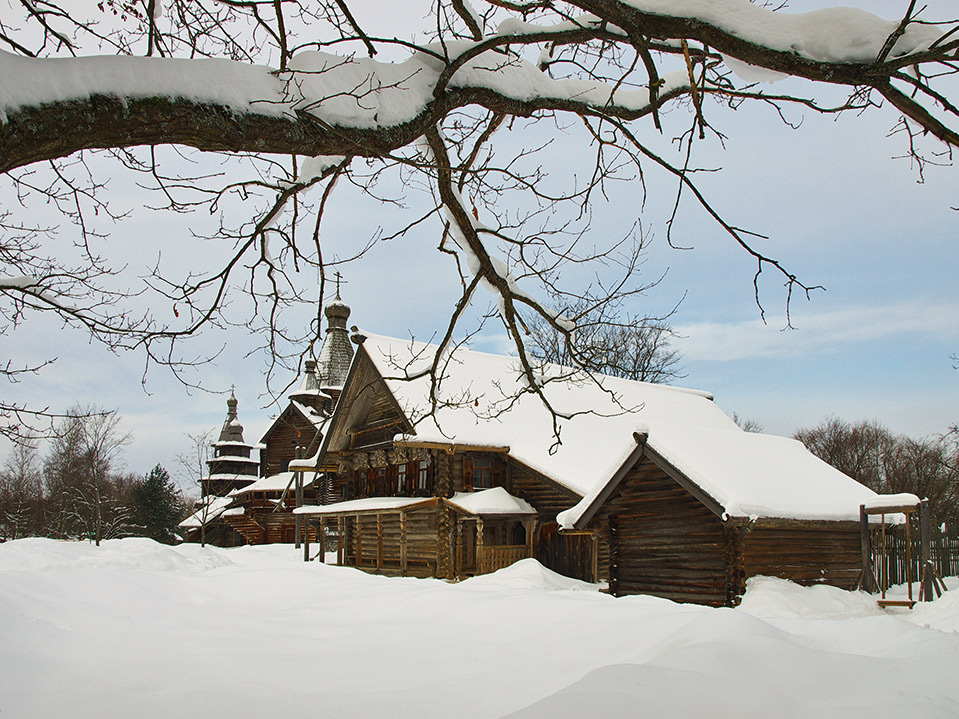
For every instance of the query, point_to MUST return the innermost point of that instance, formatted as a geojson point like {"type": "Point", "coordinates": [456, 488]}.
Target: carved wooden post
{"type": "Point", "coordinates": [321, 538]}
{"type": "Point", "coordinates": [359, 541]}
{"type": "Point", "coordinates": [306, 540]}
{"type": "Point", "coordinates": [613, 556]}
{"type": "Point", "coordinates": [340, 549]}
{"type": "Point", "coordinates": [594, 556]}
{"type": "Point", "coordinates": [444, 488]}
{"type": "Point", "coordinates": [480, 553]}
{"type": "Point", "coordinates": [298, 495]}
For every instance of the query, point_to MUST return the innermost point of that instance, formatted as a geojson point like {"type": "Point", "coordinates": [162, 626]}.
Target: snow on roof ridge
{"type": "Point", "coordinates": [601, 423]}
{"type": "Point", "coordinates": [495, 500]}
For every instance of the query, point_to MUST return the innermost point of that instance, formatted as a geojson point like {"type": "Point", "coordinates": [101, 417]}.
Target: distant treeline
{"type": "Point", "coordinates": [889, 463]}
{"type": "Point", "coordinates": [76, 490]}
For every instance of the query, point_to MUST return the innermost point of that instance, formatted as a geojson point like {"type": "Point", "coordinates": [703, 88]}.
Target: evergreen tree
{"type": "Point", "coordinates": [158, 506]}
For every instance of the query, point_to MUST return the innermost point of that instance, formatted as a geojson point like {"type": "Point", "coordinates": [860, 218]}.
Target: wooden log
{"type": "Point", "coordinates": [480, 553]}
{"type": "Point", "coordinates": [306, 542]}
{"type": "Point", "coordinates": [321, 537]}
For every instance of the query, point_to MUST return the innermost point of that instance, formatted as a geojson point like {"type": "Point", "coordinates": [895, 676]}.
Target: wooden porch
{"type": "Point", "coordinates": [426, 541]}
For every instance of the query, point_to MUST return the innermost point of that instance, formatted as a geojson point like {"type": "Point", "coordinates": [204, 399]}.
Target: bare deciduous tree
{"type": "Point", "coordinates": [21, 493]}
{"type": "Point", "coordinates": [889, 463]}
{"type": "Point", "coordinates": [306, 99]}
{"type": "Point", "coordinates": [83, 487]}
{"type": "Point", "coordinates": [194, 464]}
{"type": "Point", "coordinates": [631, 347]}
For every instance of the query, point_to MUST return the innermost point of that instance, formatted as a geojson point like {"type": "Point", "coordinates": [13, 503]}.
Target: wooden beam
{"type": "Point", "coordinates": [480, 553]}
{"type": "Point", "coordinates": [451, 447]}
{"type": "Point", "coordinates": [373, 426]}
{"type": "Point", "coordinates": [321, 538]}
{"type": "Point", "coordinates": [898, 509]}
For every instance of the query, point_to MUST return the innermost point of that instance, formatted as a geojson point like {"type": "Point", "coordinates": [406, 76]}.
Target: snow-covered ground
{"type": "Point", "coordinates": [137, 629]}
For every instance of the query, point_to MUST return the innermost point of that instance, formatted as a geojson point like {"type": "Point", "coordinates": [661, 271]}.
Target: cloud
{"type": "Point", "coordinates": [818, 333]}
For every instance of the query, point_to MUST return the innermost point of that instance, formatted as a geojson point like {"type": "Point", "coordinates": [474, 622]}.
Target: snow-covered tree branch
{"type": "Point", "coordinates": [303, 95]}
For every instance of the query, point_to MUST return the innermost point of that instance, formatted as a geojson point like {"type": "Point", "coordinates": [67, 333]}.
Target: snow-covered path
{"type": "Point", "coordinates": [139, 629]}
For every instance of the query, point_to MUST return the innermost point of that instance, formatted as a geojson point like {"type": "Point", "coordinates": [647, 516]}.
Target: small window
{"type": "Point", "coordinates": [401, 479]}
{"type": "Point", "coordinates": [482, 473]}
{"type": "Point", "coordinates": [423, 476]}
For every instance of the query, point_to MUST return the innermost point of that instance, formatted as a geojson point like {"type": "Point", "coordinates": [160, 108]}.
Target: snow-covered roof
{"type": "Point", "coordinates": [747, 474]}
{"type": "Point", "coordinates": [273, 483]}
{"type": "Point", "coordinates": [317, 419]}
{"type": "Point", "coordinates": [244, 445]}
{"type": "Point", "coordinates": [213, 507]}
{"type": "Point", "coordinates": [485, 384]}
{"type": "Point", "coordinates": [233, 458]}
{"type": "Point", "coordinates": [892, 502]}
{"type": "Point", "coordinates": [491, 501]}
{"type": "Point", "coordinates": [369, 504]}
{"type": "Point", "coordinates": [230, 476]}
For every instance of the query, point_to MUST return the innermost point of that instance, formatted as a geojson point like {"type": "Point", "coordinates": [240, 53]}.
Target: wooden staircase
{"type": "Point", "coordinates": [252, 532]}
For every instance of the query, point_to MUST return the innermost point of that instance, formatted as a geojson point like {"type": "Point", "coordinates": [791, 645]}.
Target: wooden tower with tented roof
{"type": "Point", "coordinates": [232, 465]}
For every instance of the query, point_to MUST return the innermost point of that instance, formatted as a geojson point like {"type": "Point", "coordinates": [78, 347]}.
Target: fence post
{"type": "Point", "coordinates": [926, 578]}
{"type": "Point", "coordinates": [868, 581]}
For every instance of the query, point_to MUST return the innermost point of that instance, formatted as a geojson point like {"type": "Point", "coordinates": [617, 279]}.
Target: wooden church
{"type": "Point", "coordinates": [456, 470]}
{"type": "Point", "coordinates": [247, 500]}
{"type": "Point", "coordinates": [650, 488]}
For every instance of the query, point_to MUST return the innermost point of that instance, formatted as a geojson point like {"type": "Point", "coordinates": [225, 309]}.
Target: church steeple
{"type": "Point", "coordinates": [231, 465]}
{"type": "Point", "coordinates": [232, 429]}
{"type": "Point", "coordinates": [336, 354]}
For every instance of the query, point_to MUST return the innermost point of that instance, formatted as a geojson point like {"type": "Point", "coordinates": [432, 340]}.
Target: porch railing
{"type": "Point", "coordinates": [498, 556]}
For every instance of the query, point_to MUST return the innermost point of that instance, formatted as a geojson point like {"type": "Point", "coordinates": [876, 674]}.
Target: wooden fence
{"type": "Point", "coordinates": [943, 552]}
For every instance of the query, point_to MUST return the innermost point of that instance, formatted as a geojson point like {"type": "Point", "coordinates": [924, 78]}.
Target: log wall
{"type": "Point", "coordinates": [806, 555]}
{"type": "Point", "coordinates": [548, 498]}
{"type": "Point", "coordinates": [663, 541]}
{"type": "Point", "coordinates": [375, 542]}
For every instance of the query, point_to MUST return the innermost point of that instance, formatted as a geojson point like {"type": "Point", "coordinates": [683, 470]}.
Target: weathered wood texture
{"type": "Point", "coordinates": [663, 541]}
{"type": "Point", "coordinates": [366, 403]}
{"type": "Point", "coordinates": [218, 533]}
{"type": "Point", "coordinates": [546, 496]}
{"type": "Point", "coordinates": [568, 554]}
{"type": "Point", "coordinates": [291, 430]}
{"type": "Point", "coordinates": [806, 556]}
{"type": "Point", "coordinates": [381, 543]}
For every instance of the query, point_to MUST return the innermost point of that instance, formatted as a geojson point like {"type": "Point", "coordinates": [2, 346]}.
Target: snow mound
{"type": "Point", "coordinates": [139, 553]}
{"type": "Point", "coordinates": [773, 598]}
{"type": "Point", "coordinates": [529, 574]}
{"type": "Point", "coordinates": [943, 613]}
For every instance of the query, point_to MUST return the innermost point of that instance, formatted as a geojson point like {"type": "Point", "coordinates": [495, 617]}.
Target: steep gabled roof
{"type": "Point", "coordinates": [296, 409]}
{"type": "Point", "coordinates": [483, 404]}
